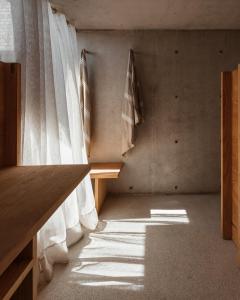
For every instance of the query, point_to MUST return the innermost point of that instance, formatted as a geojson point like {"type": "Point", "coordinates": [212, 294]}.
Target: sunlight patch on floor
{"type": "Point", "coordinates": [169, 215]}
{"type": "Point", "coordinates": [114, 245]}
{"type": "Point", "coordinates": [108, 283]}
{"type": "Point", "coordinates": [111, 269]}
{"type": "Point", "coordinates": [114, 255]}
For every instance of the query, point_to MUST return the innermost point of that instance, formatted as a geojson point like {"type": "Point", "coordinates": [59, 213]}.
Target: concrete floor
{"type": "Point", "coordinates": [151, 247]}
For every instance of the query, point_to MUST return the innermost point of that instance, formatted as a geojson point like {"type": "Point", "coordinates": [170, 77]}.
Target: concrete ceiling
{"type": "Point", "coordinates": [152, 14]}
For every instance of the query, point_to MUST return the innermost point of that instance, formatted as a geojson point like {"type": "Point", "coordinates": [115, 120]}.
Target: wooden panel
{"type": "Point", "coordinates": [13, 277]}
{"type": "Point", "coordinates": [25, 290]}
{"type": "Point", "coordinates": [235, 235]}
{"type": "Point", "coordinates": [10, 93]}
{"type": "Point", "coordinates": [100, 191]}
{"type": "Point", "coordinates": [238, 176]}
{"type": "Point", "coordinates": [2, 107]}
{"type": "Point", "coordinates": [17, 273]}
{"type": "Point", "coordinates": [35, 271]}
{"type": "Point", "coordinates": [28, 288]}
{"type": "Point", "coordinates": [235, 149]}
{"type": "Point", "coordinates": [105, 170]}
{"type": "Point", "coordinates": [29, 196]}
{"type": "Point", "coordinates": [235, 213]}
{"type": "Point", "coordinates": [226, 155]}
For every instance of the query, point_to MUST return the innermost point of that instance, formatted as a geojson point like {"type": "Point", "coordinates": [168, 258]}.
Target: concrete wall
{"type": "Point", "coordinates": [178, 146]}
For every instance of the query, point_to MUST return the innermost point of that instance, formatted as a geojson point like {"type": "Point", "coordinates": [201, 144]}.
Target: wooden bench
{"type": "Point", "coordinates": [99, 173]}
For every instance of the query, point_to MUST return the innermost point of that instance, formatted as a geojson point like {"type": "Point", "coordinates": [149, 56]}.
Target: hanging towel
{"type": "Point", "coordinates": [85, 101]}
{"type": "Point", "coordinates": [132, 108]}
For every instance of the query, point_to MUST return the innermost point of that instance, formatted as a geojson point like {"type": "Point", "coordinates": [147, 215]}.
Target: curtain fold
{"type": "Point", "coordinates": [52, 125]}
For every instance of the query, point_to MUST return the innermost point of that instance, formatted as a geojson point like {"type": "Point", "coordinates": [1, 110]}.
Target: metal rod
{"type": "Point", "coordinates": [57, 11]}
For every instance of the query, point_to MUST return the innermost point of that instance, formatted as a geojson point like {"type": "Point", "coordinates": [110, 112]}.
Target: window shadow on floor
{"type": "Point", "coordinates": [155, 247]}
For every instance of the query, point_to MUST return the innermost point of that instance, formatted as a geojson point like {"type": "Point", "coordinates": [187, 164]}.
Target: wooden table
{"type": "Point", "coordinates": [28, 197]}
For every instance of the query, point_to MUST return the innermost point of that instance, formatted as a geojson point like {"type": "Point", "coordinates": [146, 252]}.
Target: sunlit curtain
{"type": "Point", "coordinates": [52, 131]}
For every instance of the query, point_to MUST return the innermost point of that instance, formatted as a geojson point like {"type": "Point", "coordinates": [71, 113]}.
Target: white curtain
{"type": "Point", "coordinates": [52, 131]}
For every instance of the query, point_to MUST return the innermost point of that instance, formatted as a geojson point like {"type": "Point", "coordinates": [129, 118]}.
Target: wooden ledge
{"type": "Point", "coordinates": [105, 170]}
{"type": "Point", "coordinates": [100, 172]}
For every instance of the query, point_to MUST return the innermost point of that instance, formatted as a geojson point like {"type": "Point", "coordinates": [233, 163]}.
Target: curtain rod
{"type": "Point", "coordinates": [57, 10]}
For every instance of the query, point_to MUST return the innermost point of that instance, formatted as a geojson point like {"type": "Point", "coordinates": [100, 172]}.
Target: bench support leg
{"type": "Point", "coordinates": [100, 191]}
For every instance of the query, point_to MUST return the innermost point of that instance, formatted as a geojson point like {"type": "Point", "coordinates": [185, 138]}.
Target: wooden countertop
{"type": "Point", "coordinates": [28, 197]}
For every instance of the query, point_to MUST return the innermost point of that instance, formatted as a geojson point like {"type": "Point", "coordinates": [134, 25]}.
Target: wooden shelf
{"type": "Point", "coordinates": [13, 277]}
{"type": "Point", "coordinates": [29, 196]}
{"type": "Point", "coordinates": [105, 170]}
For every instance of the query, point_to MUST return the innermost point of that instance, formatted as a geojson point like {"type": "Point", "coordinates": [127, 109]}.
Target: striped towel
{"type": "Point", "coordinates": [85, 101]}
{"type": "Point", "coordinates": [132, 108]}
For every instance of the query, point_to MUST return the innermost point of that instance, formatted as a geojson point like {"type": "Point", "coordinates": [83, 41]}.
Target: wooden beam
{"type": "Point", "coordinates": [226, 155]}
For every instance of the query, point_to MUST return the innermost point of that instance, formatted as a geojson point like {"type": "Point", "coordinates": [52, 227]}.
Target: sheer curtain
{"type": "Point", "coordinates": [52, 131]}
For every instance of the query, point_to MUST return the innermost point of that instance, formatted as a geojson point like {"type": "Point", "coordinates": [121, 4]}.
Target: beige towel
{"type": "Point", "coordinates": [85, 101]}
{"type": "Point", "coordinates": [132, 108]}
